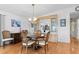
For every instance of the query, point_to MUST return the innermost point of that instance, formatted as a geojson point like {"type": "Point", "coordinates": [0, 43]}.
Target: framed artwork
{"type": "Point", "coordinates": [15, 23]}
{"type": "Point", "coordinates": [63, 22]}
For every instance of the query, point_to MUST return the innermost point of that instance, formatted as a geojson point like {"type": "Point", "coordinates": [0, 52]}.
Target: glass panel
{"type": "Point", "coordinates": [53, 25]}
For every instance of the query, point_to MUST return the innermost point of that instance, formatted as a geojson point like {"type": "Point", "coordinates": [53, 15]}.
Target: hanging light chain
{"type": "Point", "coordinates": [33, 10]}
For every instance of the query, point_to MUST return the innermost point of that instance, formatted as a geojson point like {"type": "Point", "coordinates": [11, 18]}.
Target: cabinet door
{"type": "Point", "coordinates": [17, 37]}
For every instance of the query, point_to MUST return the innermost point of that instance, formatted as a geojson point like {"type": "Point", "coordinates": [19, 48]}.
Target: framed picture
{"type": "Point", "coordinates": [15, 23]}
{"type": "Point", "coordinates": [63, 22]}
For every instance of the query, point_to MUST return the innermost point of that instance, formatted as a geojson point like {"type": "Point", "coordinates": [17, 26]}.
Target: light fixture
{"type": "Point", "coordinates": [33, 16]}
{"type": "Point", "coordinates": [77, 8]}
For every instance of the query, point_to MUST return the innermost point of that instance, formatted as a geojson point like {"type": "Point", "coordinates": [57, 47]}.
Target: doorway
{"type": "Point", "coordinates": [74, 29]}
{"type": "Point", "coordinates": [74, 16]}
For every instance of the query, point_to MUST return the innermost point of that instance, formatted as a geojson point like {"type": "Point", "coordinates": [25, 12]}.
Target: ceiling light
{"type": "Point", "coordinates": [33, 16]}
{"type": "Point", "coordinates": [30, 19]}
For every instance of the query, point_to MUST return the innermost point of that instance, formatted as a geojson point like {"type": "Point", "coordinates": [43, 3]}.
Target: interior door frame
{"type": "Point", "coordinates": [70, 24]}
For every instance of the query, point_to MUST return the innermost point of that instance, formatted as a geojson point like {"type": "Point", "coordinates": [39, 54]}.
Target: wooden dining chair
{"type": "Point", "coordinates": [25, 41]}
{"type": "Point", "coordinates": [37, 34]}
{"type": "Point", "coordinates": [6, 37]}
{"type": "Point", "coordinates": [43, 41]}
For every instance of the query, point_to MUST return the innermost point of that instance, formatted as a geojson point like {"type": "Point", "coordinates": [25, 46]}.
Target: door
{"type": "Point", "coordinates": [73, 29]}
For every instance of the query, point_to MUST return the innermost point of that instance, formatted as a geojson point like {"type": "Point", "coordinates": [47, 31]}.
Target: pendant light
{"type": "Point", "coordinates": [33, 15]}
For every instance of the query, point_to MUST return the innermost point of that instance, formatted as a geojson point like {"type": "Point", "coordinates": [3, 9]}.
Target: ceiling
{"type": "Point", "coordinates": [26, 10]}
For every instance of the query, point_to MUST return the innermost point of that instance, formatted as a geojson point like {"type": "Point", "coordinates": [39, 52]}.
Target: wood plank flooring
{"type": "Point", "coordinates": [53, 48]}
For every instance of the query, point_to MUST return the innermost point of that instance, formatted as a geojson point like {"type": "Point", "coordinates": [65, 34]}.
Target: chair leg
{"type": "Point", "coordinates": [13, 42]}
{"type": "Point", "coordinates": [26, 49]}
{"type": "Point", "coordinates": [3, 44]}
{"type": "Point", "coordinates": [34, 46]}
{"type": "Point", "coordinates": [21, 49]}
{"type": "Point", "coordinates": [45, 48]}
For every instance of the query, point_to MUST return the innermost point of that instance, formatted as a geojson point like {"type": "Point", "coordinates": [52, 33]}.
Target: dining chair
{"type": "Point", "coordinates": [43, 41]}
{"type": "Point", "coordinates": [25, 40]}
{"type": "Point", "coordinates": [37, 34]}
{"type": "Point", "coordinates": [6, 37]}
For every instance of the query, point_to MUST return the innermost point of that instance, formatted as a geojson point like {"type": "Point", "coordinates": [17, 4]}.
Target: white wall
{"type": "Point", "coordinates": [78, 29]}
{"type": "Point", "coordinates": [0, 30]}
{"type": "Point", "coordinates": [7, 22]}
{"type": "Point", "coordinates": [63, 32]}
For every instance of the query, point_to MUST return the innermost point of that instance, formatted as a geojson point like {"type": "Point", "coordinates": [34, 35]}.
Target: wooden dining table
{"type": "Point", "coordinates": [36, 39]}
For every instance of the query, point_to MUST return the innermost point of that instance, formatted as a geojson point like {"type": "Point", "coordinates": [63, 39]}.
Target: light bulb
{"type": "Point", "coordinates": [30, 19]}
{"type": "Point", "coordinates": [34, 19]}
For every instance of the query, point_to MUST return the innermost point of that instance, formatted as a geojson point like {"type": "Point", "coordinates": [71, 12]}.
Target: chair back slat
{"type": "Point", "coordinates": [37, 33]}
{"type": "Point", "coordinates": [6, 34]}
{"type": "Point", "coordinates": [47, 36]}
{"type": "Point", "coordinates": [24, 35]}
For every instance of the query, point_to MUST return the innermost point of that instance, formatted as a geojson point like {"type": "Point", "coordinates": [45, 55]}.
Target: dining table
{"type": "Point", "coordinates": [36, 39]}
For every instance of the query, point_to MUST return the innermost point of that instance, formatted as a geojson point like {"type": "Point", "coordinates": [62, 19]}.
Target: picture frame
{"type": "Point", "coordinates": [15, 23]}
{"type": "Point", "coordinates": [63, 22]}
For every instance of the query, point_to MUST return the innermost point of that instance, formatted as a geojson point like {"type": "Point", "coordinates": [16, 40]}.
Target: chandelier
{"type": "Point", "coordinates": [33, 15]}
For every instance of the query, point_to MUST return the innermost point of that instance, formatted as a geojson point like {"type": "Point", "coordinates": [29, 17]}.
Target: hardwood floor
{"type": "Point", "coordinates": [53, 48]}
